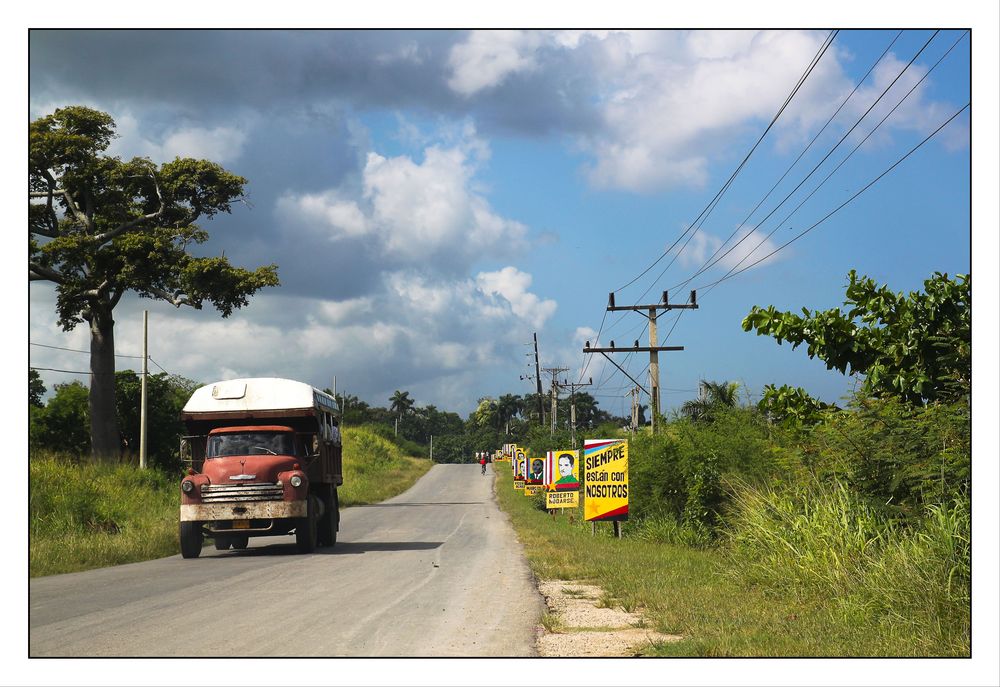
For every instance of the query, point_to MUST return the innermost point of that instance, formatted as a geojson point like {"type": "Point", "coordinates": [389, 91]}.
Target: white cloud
{"type": "Point", "coordinates": [413, 212]}
{"type": "Point", "coordinates": [744, 248]}
{"type": "Point", "coordinates": [222, 144]}
{"type": "Point", "coordinates": [513, 285]}
{"type": "Point", "coordinates": [487, 58]}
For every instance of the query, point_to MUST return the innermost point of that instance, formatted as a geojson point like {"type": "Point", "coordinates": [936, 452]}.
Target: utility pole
{"type": "Point", "coordinates": [652, 349]}
{"type": "Point", "coordinates": [634, 393]}
{"type": "Point", "coordinates": [572, 405]}
{"type": "Point", "coordinates": [142, 404]}
{"type": "Point", "coordinates": [554, 371]}
{"type": "Point", "coordinates": [538, 384]}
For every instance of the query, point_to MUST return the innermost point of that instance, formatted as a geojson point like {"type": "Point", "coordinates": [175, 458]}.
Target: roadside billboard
{"type": "Point", "coordinates": [605, 490]}
{"type": "Point", "coordinates": [536, 471]}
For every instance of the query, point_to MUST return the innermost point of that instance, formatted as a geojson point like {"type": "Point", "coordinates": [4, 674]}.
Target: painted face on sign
{"type": "Point", "coordinates": [565, 465]}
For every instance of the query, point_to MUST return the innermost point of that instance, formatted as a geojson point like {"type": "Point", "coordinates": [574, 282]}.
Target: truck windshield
{"type": "Point", "coordinates": [250, 444]}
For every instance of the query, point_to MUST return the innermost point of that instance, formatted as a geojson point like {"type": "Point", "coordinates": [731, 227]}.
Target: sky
{"type": "Point", "coordinates": [433, 198]}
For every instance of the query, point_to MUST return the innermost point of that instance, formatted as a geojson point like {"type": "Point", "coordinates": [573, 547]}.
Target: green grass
{"type": "Point", "coordinates": [375, 468]}
{"type": "Point", "coordinates": [699, 592]}
{"type": "Point", "coordinates": [84, 515]}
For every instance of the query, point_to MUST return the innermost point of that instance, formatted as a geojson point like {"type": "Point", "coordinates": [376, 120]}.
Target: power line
{"type": "Point", "coordinates": [767, 195]}
{"type": "Point", "coordinates": [842, 205]}
{"type": "Point", "coordinates": [718, 196]}
{"type": "Point", "coordinates": [77, 350]}
{"type": "Point", "coordinates": [825, 158]}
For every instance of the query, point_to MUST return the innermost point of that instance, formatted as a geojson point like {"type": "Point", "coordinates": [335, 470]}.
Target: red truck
{"type": "Point", "coordinates": [265, 459]}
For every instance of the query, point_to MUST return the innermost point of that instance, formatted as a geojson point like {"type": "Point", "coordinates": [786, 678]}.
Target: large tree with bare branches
{"type": "Point", "coordinates": [99, 226]}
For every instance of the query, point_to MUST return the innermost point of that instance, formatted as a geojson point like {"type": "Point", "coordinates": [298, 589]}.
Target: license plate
{"type": "Point", "coordinates": [241, 524]}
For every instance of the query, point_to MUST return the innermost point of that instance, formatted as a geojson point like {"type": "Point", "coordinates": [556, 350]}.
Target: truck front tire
{"type": "Point", "coordinates": [191, 539]}
{"type": "Point", "coordinates": [305, 530]}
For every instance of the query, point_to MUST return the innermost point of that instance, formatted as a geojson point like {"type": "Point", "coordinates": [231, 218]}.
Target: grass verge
{"type": "Point", "coordinates": [85, 515]}
{"type": "Point", "coordinates": [697, 593]}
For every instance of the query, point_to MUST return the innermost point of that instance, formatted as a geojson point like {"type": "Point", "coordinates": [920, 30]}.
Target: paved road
{"type": "Point", "coordinates": [433, 572]}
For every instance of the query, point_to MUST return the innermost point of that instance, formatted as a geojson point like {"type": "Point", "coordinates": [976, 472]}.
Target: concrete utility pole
{"type": "Point", "coordinates": [145, 373]}
{"type": "Point", "coordinates": [572, 405]}
{"type": "Point", "coordinates": [634, 393]}
{"type": "Point", "coordinates": [538, 384]}
{"type": "Point", "coordinates": [653, 349]}
{"type": "Point", "coordinates": [554, 371]}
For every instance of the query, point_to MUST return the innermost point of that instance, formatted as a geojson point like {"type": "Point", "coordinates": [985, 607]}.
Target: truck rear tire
{"type": "Point", "coordinates": [241, 542]}
{"type": "Point", "coordinates": [191, 539]}
{"type": "Point", "coordinates": [222, 543]}
{"type": "Point", "coordinates": [330, 522]}
{"type": "Point", "coordinates": [305, 530]}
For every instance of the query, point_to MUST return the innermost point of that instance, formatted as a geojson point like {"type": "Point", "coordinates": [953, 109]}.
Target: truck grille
{"type": "Point", "coordinates": [211, 493]}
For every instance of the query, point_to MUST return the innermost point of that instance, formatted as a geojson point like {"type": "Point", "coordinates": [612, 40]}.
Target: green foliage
{"type": "Point", "coordinates": [165, 397]}
{"type": "Point", "coordinates": [36, 389]}
{"type": "Point", "coordinates": [62, 424]}
{"type": "Point", "coordinates": [714, 396]}
{"type": "Point", "coordinates": [917, 347]}
{"type": "Point", "coordinates": [894, 453]}
{"type": "Point", "coordinates": [793, 407]}
{"type": "Point", "coordinates": [375, 468]}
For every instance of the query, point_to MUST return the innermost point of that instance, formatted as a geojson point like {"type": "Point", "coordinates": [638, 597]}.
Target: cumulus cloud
{"type": "Point", "coordinates": [747, 246]}
{"type": "Point", "coordinates": [222, 144]}
{"type": "Point", "coordinates": [412, 212]}
{"type": "Point", "coordinates": [486, 58]}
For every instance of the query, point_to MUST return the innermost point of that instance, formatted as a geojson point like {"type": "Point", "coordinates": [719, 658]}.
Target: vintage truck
{"type": "Point", "coordinates": [265, 459]}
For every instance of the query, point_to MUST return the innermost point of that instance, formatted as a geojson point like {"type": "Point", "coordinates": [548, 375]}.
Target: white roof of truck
{"type": "Point", "coordinates": [256, 393]}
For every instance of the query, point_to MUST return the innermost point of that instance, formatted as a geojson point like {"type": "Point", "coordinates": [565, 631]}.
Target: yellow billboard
{"type": "Point", "coordinates": [605, 484]}
{"type": "Point", "coordinates": [532, 489]}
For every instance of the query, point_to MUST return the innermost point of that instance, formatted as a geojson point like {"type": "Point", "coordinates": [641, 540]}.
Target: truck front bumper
{"type": "Point", "coordinates": [242, 510]}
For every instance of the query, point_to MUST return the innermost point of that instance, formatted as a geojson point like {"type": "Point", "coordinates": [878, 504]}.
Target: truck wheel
{"type": "Point", "coordinates": [331, 519]}
{"type": "Point", "coordinates": [222, 543]}
{"type": "Point", "coordinates": [191, 539]}
{"type": "Point", "coordinates": [241, 542]}
{"type": "Point", "coordinates": [305, 530]}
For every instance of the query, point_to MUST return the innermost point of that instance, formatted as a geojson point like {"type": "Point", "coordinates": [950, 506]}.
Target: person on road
{"type": "Point", "coordinates": [482, 463]}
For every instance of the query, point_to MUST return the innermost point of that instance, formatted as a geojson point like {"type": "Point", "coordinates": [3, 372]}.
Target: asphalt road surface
{"type": "Point", "coordinates": [436, 571]}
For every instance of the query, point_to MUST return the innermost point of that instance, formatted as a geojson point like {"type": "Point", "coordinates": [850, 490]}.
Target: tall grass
{"type": "Point", "coordinates": [87, 515]}
{"type": "Point", "coordinates": [822, 540]}
{"type": "Point", "coordinates": [376, 468]}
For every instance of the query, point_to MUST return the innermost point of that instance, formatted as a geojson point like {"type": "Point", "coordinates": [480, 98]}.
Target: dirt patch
{"type": "Point", "coordinates": [579, 624]}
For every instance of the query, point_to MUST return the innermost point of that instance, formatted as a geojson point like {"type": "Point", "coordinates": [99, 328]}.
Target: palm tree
{"type": "Point", "coordinates": [508, 405]}
{"type": "Point", "coordinates": [400, 403]}
{"type": "Point", "coordinates": [713, 396]}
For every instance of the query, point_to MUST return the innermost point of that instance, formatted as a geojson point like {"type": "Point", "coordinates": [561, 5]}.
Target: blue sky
{"type": "Point", "coordinates": [434, 198]}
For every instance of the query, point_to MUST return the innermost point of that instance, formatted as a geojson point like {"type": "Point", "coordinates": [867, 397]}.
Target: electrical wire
{"type": "Point", "coordinates": [732, 274]}
{"type": "Point", "coordinates": [718, 196]}
{"type": "Point", "coordinates": [826, 157]}
{"type": "Point", "coordinates": [767, 195]}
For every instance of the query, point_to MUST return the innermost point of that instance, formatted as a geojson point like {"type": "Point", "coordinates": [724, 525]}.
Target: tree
{"type": "Point", "coordinates": [713, 397]}
{"type": "Point", "coordinates": [165, 397]}
{"type": "Point", "coordinates": [62, 425]}
{"type": "Point", "coordinates": [99, 227]}
{"type": "Point", "coordinates": [400, 403]}
{"type": "Point", "coordinates": [917, 347]}
{"type": "Point", "coordinates": [36, 389]}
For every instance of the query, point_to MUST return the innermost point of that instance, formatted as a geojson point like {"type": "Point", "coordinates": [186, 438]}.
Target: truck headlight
{"type": "Point", "coordinates": [187, 486]}
{"type": "Point", "coordinates": [295, 481]}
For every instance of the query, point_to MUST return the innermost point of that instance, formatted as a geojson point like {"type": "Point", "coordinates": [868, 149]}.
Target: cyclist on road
{"type": "Point", "coordinates": [482, 463]}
